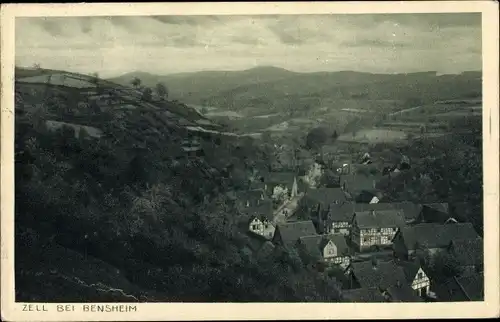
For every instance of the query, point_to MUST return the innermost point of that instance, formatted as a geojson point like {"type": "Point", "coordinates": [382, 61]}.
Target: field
{"type": "Point", "coordinates": [373, 136]}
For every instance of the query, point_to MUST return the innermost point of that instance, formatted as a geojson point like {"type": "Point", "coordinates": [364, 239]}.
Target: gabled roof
{"type": "Point", "coordinates": [262, 210]}
{"type": "Point", "coordinates": [381, 274]}
{"type": "Point", "coordinates": [379, 219]}
{"type": "Point", "coordinates": [410, 269]}
{"type": "Point", "coordinates": [468, 251]}
{"type": "Point", "coordinates": [341, 212]}
{"type": "Point", "coordinates": [345, 211]}
{"type": "Point", "coordinates": [359, 182]}
{"type": "Point", "coordinates": [441, 207]}
{"type": "Point", "coordinates": [403, 293]}
{"type": "Point", "coordinates": [411, 211]}
{"type": "Point", "coordinates": [436, 235]}
{"type": "Point", "coordinates": [363, 295]}
{"type": "Point", "coordinates": [467, 288]}
{"type": "Point", "coordinates": [315, 244]}
{"type": "Point", "coordinates": [324, 196]}
{"type": "Point", "coordinates": [290, 232]}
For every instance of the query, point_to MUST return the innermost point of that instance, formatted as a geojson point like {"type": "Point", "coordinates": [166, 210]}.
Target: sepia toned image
{"type": "Point", "coordinates": [248, 158]}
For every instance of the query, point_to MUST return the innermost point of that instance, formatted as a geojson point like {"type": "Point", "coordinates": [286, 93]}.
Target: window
{"type": "Point", "coordinates": [254, 227]}
{"type": "Point", "coordinates": [266, 225]}
{"type": "Point", "coordinates": [420, 275]}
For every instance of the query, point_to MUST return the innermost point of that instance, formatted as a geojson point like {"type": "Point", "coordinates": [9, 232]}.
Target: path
{"type": "Point", "coordinates": [286, 209]}
{"type": "Point", "coordinates": [201, 129]}
{"type": "Point", "coordinates": [405, 110]}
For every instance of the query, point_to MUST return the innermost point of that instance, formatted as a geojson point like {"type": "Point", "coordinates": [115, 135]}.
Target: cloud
{"type": "Point", "coordinates": [170, 44]}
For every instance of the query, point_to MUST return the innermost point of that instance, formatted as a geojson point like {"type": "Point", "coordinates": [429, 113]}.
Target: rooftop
{"type": "Point", "coordinates": [363, 295]}
{"type": "Point", "coordinates": [262, 210]}
{"type": "Point", "coordinates": [340, 212]}
{"type": "Point", "coordinates": [359, 182]}
{"type": "Point", "coordinates": [441, 207]}
{"type": "Point", "coordinates": [410, 269]}
{"type": "Point", "coordinates": [403, 293]}
{"type": "Point", "coordinates": [378, 274]}
{"type": "Point", "coordinates": [380, 219]}
{"type": "Point", "coordinates": [432, 235]}
{"type": "Point", "coordinates": [290, 232]}
{"type": "Point", "coordinates": [315, 244]}
{"type": "Point", "coordinates": [467, 288]}
{"type": "Point", "coordinates": [325, 196]}
{"type": "Point", "coordinates": [468, 251]}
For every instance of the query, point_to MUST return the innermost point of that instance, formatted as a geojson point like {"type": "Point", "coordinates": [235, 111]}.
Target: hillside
{"type": "Point", "coordinates": [279, 88]}
{"type": "Point", "coordinates": [285, 103]}
{"type": "Point", "coordinates": [125, 212]}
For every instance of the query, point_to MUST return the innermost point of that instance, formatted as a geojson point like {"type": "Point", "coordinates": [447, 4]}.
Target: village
{"type": "Point", "coordinates": [378, 251]}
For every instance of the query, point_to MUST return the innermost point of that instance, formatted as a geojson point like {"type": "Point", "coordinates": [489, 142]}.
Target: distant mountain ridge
{"type": "Point", "coordinates": [272, 85]}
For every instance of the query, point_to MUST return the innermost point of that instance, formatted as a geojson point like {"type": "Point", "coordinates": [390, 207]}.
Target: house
{"type": "Point", "coordinates": [287, 234]}
{"type": "Point", "coordinates": [375, 229]}
{"type": "Point", "coordinates": [325, 249]}
{"type": "Point", "coordinates": [358, 182]}
{"type": "Point", "coordinates": [469, 254]}
{"type": "Point", "coordinates": [429, 236]}
{"type": "Point", "coordinates": [369, 196]}
{"type": "Point", "coordinates": [375, 274]}
{"type": "Point", "coordinates": [416, 277]}
{"type": "Point", "coordinates": [260, 220]}
{"type": "Point", "coordinates": [358, 186]}
{"type": "Point", "coordinates": [338, 218]}
{"type": "Point", "coordinates": [316, 199]}
{"type": "Point", "coordinates": [315, 203]}
{"type": "Point", "coordinates": [401, 293]}
{"type": "Point", "coordinates": [461, 289]}
{"type": "Point", "coordinates": [363, 295]}
{"type": "Point", "coordinates": [436, 213]}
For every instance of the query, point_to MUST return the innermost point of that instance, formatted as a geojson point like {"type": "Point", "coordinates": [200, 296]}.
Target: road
{"type": "Point", "coordinates": [406, 110]}
{"type": "Point", "coordinates": [286, 210]}
{"type": "Point", "coordinates": [201, 129]}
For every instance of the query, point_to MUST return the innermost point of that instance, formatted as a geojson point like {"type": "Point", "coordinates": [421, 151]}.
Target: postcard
{"type": "Point", "coordinates": [259, 160]}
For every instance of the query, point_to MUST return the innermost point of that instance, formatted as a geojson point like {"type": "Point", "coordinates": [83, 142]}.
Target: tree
{"type": "Point", "coordinates": [161, 90]}
{"type": "Point", "coordinates": [136, 82]}
{"type": "Point", "coordinates": [316, 137]}
{"type": "Point", "coordinates": [147, 94]}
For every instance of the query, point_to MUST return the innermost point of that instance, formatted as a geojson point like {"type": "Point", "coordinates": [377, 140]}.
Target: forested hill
{"type": "Point", "coordinates": [124, 214]}
{"type": "Point", "coordinates": [265, 87]}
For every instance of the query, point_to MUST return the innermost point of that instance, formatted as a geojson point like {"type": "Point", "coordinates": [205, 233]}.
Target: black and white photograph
{"type": "Point", "coordinates": [248, 158]}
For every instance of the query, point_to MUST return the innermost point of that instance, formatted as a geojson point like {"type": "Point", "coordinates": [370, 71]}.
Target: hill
{"type": "Point", "coordinates": [125, 212]}
{"type": "Point", "coordinates": [278, 88]}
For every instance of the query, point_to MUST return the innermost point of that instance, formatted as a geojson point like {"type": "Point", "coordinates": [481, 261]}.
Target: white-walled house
{"type": "Point", "coordinates": [416, 277]}
{"type": "Point", "coordinates": [260, 220]}
{"type": "Point", "coordinates": [330, 249]}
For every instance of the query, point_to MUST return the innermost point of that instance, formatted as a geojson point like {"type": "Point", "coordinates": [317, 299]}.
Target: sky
{"type": "Point", "coordinates": [377, 43]}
